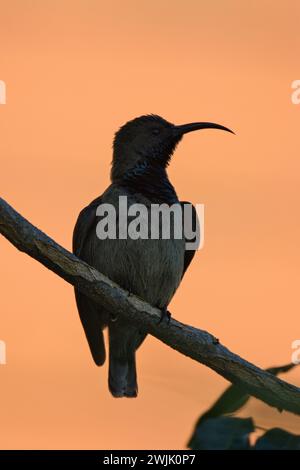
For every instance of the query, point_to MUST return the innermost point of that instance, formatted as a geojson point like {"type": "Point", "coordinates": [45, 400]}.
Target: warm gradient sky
{"type": "Point", "coordinates": [75, 70]}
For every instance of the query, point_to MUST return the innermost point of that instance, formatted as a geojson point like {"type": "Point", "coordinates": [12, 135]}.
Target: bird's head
{"type": "Point", "coordinates": [150, 139]}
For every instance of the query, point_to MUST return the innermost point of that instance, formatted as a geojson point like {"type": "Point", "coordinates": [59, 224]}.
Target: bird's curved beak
{"type": "Point", "coordinates": [196, 126]}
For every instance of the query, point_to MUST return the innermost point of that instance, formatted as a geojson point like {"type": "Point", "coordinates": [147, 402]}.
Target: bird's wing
{"type": "Point", "coordinates": [192, 222]}
{"type": "Point", "coordinates": [89, 312]}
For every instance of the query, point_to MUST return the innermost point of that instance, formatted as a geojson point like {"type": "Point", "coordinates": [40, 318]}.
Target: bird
{"type": "Point", "coordinates": [150, 268]}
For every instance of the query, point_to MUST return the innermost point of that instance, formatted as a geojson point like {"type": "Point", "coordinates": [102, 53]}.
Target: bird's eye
{"type": "Point", "coordinates": [155, 131]}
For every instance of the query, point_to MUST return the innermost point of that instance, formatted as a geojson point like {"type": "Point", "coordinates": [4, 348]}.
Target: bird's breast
{"type": "Point", "coordinates": [149, 266]}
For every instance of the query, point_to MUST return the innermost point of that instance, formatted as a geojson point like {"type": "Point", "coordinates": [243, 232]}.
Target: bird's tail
{"type": "Point", "coordinates": [122, 380]}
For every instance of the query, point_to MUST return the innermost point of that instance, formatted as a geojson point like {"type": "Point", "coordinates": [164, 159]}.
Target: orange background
{"type": "Point", "coordinates": [75, 71]}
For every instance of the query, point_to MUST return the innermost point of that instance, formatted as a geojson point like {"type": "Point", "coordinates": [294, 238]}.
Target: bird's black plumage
{"type": "Point", "coordinates": [149, 268]}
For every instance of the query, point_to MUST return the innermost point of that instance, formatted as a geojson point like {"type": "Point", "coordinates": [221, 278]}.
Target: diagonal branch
{"type": "Point", "coordinates": [197, 344]}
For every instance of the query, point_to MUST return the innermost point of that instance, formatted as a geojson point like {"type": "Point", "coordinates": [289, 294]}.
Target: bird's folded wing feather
{"type": "Point", "coordinates": [84, 240]}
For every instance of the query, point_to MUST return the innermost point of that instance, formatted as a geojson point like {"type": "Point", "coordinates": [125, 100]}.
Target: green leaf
{"type": "Point", "coordinates": [278, 439]}
{"type": "Point", "coordinates": [225, 433]}
{"type": "Point", "coordinates": [233, 399]}
{"type": "Point", "coordinates": [230, 401]}
{"type": "Point", "coordinates": [281, 369]}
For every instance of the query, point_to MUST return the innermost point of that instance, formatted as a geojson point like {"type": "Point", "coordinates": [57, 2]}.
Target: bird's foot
{"type": "Point", "coordinates": [165, 315]}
